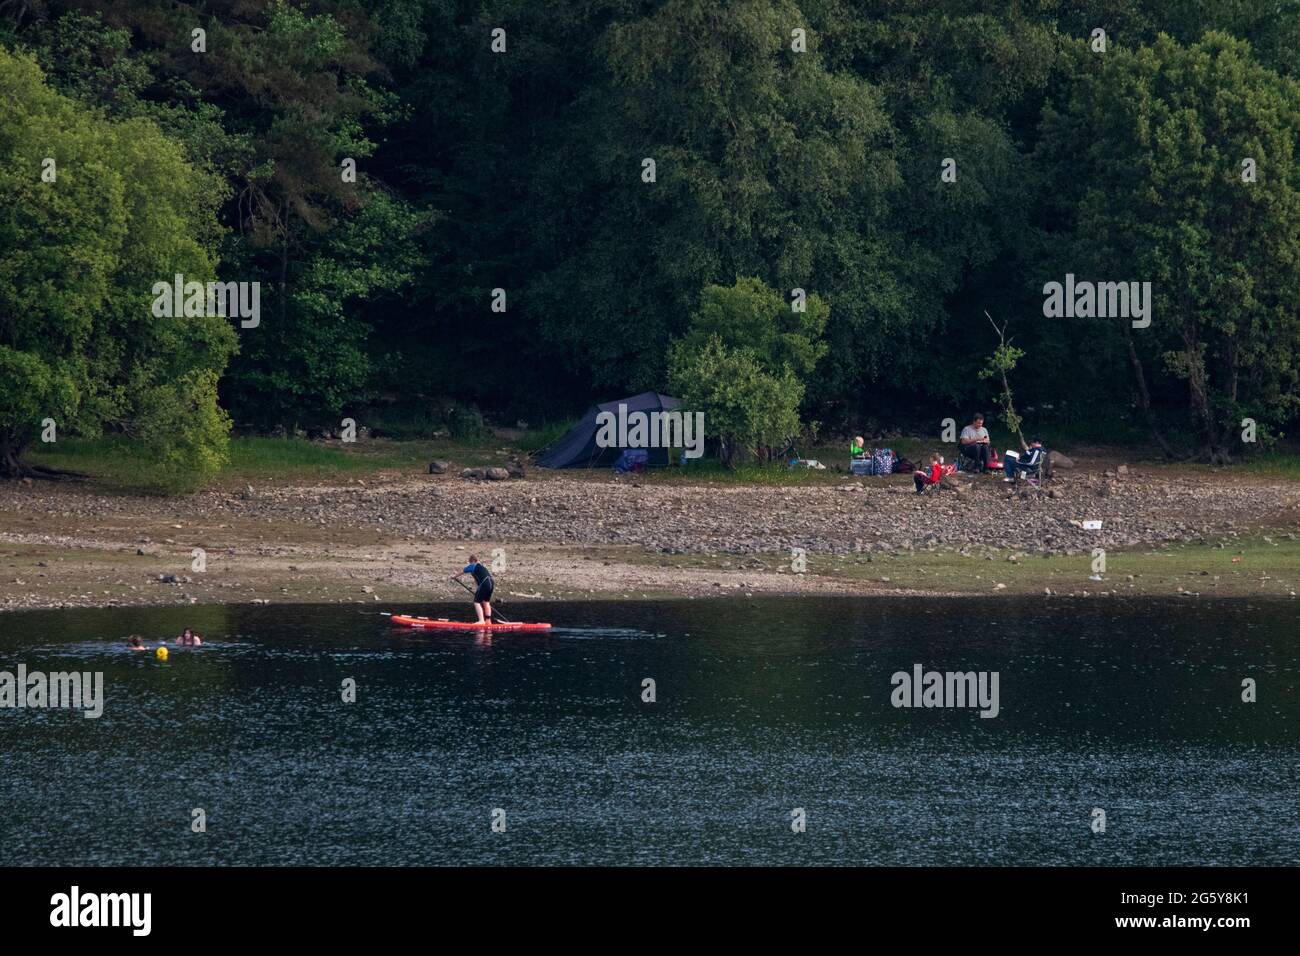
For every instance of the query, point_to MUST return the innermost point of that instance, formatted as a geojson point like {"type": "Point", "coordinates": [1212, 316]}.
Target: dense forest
{"type": "Point", "coordinates": [519, 208]}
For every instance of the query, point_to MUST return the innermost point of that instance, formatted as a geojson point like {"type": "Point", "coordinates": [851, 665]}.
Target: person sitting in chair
{"type": "Point", "coordinates": [1016, 464]}
{"type": "Point", "coordinates": [856, 449]}
{"type": "Point", "coordinates": [934, 476]}
{"type": "Point", "coordinates": [974, 443]}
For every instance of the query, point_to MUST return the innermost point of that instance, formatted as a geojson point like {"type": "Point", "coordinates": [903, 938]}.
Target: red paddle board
{"type": "Point", "coordinates": [445, 625]}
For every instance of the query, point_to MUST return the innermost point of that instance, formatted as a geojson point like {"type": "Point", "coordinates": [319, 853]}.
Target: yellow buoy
{"type": "Point", "coordinates": [161, 653]}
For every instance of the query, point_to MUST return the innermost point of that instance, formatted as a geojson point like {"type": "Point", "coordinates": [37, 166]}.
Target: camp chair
{"type": "Point", "coordinates": [1033, 475]}
{"type": "Point", "coordinates": [967, 465]}
{"type": "Point", "coordinates": [948, 474]}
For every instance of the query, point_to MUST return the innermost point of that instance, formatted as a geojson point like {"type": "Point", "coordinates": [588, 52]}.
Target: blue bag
{"type": "Point", "coordinates": [882, 461]}
{"type": "Point", "coordinates": [632, 459]}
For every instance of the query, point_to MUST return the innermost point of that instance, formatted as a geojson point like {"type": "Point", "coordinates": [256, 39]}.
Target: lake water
{"type": "Point", "coordinates": [763, 706]}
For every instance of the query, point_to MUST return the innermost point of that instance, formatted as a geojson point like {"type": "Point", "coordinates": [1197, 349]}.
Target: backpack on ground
{"type": "Point", "coordinates": [882, 461]}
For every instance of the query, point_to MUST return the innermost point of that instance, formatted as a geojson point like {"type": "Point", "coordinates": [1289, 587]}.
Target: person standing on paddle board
{"type": "Point", "coordinates": [483, 588]}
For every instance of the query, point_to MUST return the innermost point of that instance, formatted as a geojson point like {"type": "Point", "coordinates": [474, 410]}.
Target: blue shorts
{"type": "Point", "coordinates": [484, 592]}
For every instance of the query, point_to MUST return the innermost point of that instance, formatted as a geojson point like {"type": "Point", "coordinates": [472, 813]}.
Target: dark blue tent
{"type": "Point", "coordinates": [577, 447]}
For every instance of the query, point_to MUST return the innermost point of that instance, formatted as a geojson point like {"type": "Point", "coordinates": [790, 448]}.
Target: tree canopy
{"type": "Point", "coordinates": [96, 212]}
{"type": "Point", "coordinates": [529, 207]}
{"type": "Point", "coordinates": [1177, 164]}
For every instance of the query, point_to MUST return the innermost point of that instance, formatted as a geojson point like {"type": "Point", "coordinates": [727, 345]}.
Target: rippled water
{"type": "Point", "coordinates": [763, 706]}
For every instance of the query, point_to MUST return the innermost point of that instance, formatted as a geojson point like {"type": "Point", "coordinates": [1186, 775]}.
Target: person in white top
{"type": "Point", "coordinates": [974, 443]}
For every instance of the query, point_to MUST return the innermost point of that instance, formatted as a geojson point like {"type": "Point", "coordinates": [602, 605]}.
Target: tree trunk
{"type": "Point", "coordinates": [1011, 412]}
{"type": "Point", "coordinates": [284, 276]}
{"type": "Point", "coordinates": [1232, 370]}
{"type": "Point", "coordinates": [1213, 449]}
{"type": "Point", "coordinates": [11, 465]}
{"type": "Point", "coordinates": [1008, 405]}
{"type": "Point", "coordinates": [1144, 397]}
{"type": "Point", "coordinates": [1208, 432]}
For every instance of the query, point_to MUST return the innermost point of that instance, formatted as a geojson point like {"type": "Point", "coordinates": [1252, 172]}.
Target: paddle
{"type": "Point", "coordinates": [495, 615]}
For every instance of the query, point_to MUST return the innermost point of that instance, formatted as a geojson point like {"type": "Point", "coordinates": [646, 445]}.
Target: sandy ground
{"type": "Point", "coordinates": [81, 572]}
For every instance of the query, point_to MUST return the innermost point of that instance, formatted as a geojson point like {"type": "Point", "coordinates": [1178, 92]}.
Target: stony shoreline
{"type": "Point", "coordinates": [392, 536]}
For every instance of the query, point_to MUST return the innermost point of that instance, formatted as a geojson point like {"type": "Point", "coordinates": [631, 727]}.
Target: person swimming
{"type": "Point", "coordinates": [136, 643]}
{"type": "Point", "coordinates": [189, 638]}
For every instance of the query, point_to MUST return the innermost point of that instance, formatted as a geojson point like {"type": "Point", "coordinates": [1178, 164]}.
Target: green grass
{"type": "Point", "coordinates": [118, 464]}
{"type": "Point", "coordinates": [115, 460]}
{"type": "Point", "coordinates": [261, 457]}
{"type": "Point", "coordinates": [269, 457]}
{"type": "Point", "coordinates": [1275, 463]}
{"type": "Point", "coordinates": [405, 422]}
{"type": "Point", "coordinates": [1264, 565]}
{"type": "Point", "coordinates": [539, 438]}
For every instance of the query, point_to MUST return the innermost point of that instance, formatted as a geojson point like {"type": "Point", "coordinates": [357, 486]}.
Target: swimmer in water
{"type": "Point", "coordinates": [136, 643]}
{"type": "Point", "coordinates": [189, 638]}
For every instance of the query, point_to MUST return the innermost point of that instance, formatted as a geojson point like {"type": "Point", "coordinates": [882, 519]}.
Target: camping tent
{"type": "Point", "coordinates": [577, 447]}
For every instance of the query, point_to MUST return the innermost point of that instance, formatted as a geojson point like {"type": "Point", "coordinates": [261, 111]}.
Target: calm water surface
{"type": "Point", "coordinates": [763, 706]}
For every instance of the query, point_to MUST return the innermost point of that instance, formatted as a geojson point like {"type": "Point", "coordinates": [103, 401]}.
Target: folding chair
{"type": "Point", "coordinates": [1033, 475]}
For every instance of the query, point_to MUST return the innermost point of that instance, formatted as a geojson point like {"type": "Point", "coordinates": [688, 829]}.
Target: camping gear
{"type": "Point", "coordinates": [632, 459]}
{"type": "Point", "coordinates": [945, 470]}
{"type": "Point", "coordinates": [442, 624]}
{"type": "Point", "coordinates": [1032, 473]}
{"type": "Point", "coordinates": [903, 466]}
{"type": "Point", "coordinates": [965, 464]}
{"type": "Point", "coordinates": [577, 447]}
{"type": "Point", "coordinates": [878, 461]}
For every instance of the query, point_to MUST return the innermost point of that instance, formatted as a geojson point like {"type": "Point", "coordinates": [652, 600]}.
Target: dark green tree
{"type": "Point", "coordinates": [1176, 165]}
{"type": "Point", "coordinates": [744, 363]}
{"type": "Point", "coordinates": [96, 212]}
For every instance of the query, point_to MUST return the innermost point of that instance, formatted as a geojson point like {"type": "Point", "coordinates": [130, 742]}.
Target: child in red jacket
{"type": "Point", "coordinates": [935, 474]}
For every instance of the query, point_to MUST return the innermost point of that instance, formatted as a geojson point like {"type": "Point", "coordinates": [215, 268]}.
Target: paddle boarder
{"type": "Point", "coordinates": [483, 588]}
